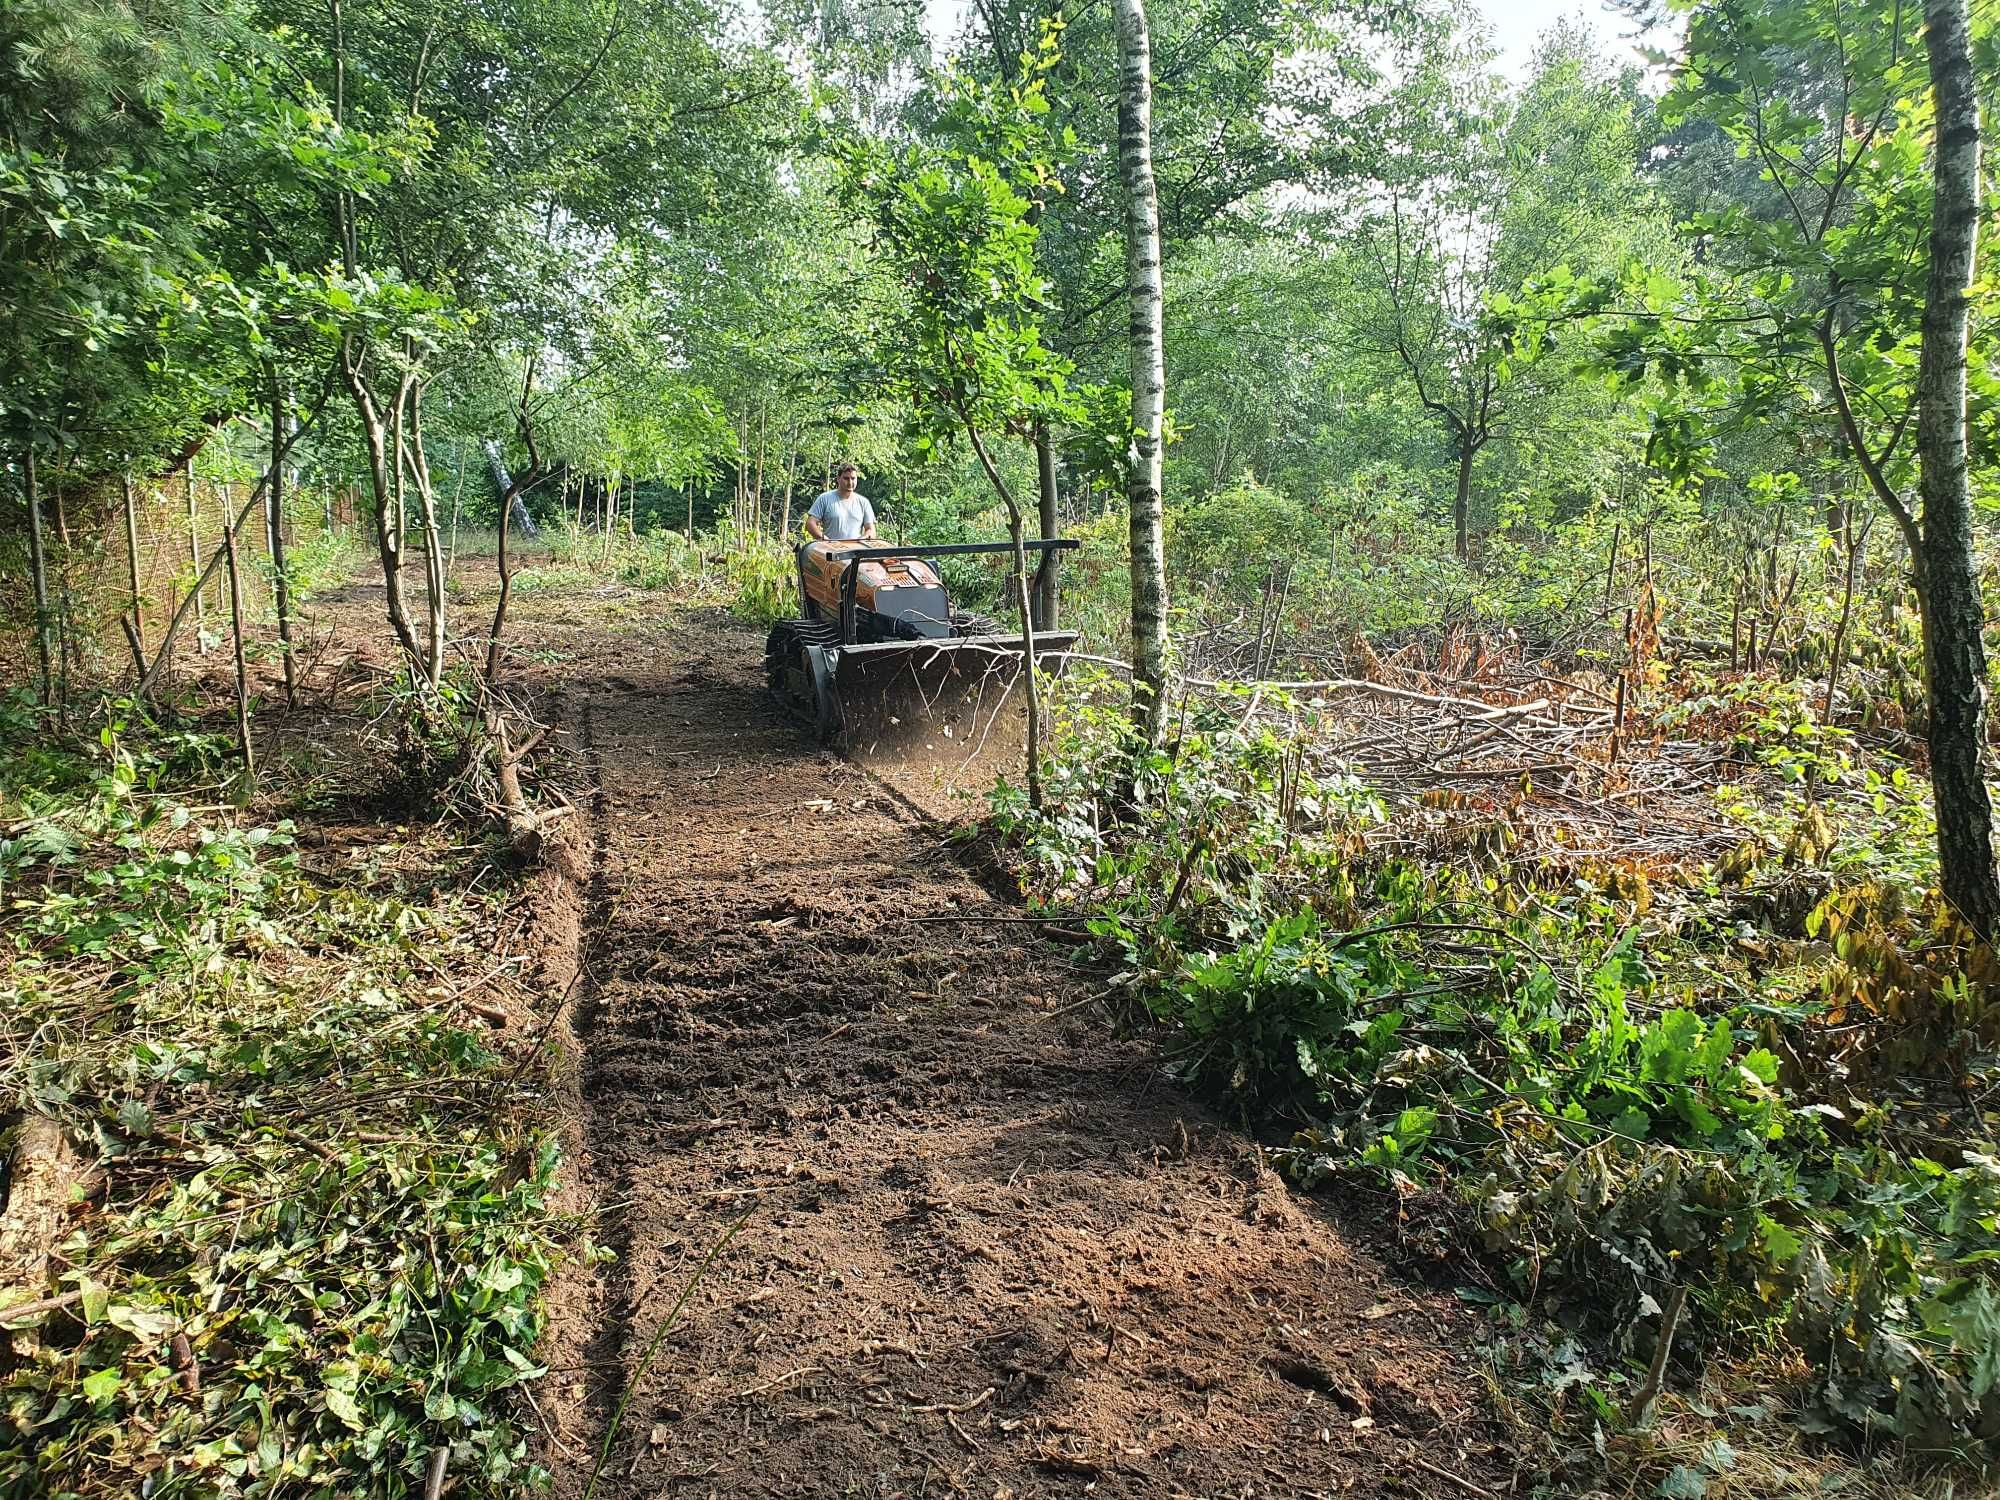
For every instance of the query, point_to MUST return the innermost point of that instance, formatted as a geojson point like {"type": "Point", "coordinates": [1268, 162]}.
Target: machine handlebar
{"type": "Point", "coordinates": [958, 549]}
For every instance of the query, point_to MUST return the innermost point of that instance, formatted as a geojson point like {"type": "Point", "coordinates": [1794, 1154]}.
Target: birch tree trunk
{"type": "Point", "coordinates": [1953, 612]}
{"type": "Point", "coordinates": [1149, 377]}
{"type": "Point", "coordinates": [236, 648]}
{"type": "Point", "coordinates": [435, 628]}
{"type": "Point", "coordinates": [382, 433]}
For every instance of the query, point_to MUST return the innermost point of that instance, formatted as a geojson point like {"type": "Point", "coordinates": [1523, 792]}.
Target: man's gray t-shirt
{"type": "Point", "coordinates": [844, 520]}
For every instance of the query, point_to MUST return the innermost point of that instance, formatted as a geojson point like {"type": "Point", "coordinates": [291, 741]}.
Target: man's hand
{"type": "Point", "coordinates": [818, 531]}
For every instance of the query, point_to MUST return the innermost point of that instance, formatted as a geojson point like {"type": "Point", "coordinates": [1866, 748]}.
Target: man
{"type": "Point", "coordinates": [841, 515]}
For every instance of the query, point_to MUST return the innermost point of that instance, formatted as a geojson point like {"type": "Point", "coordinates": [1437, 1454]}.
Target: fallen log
{"type": "Point", "coordinates": [39, 1179]}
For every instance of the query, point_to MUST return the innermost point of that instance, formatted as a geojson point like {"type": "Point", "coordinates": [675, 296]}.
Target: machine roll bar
{"type": "Point", "coordinates": [960, 549]}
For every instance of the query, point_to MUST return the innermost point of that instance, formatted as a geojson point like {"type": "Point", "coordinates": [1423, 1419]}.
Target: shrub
{"type": "Point", "coordinates": [1614, 1116]}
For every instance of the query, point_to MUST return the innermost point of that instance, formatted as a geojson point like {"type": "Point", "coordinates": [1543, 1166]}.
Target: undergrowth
{"type": "Point", "coordinates": [306, 1252]}
{"type": "Point", "coordinates": [1766, 1085]}
{"type": "Point", "coordinates": [754, 578]}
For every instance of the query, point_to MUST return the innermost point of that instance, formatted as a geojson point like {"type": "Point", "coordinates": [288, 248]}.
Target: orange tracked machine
{"type": "Point", "coordinates": [879, 656]}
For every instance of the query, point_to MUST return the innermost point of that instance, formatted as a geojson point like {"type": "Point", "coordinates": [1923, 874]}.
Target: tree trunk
{"type": "Point", "coordinates": [1461, 506]}
{"type": "Point", "coordinates": [1018, 586]}
{"type": "Point", "coordinates": [1046, 579]}
{"type": "Point", "coordinates": [433, 537]}
{"type": "Point", "coordinates": [382, 432]}
{"type": "Point", "coordinates": [132, 572]}
{"type": "Point", "coordinates": [38, 569]}
{"type": "Point", "coordinates": [1149, 380]}
{"type": "Point", "coordinates": [757, 495]}
{"type": "Point", "coordinates": [506, 590]}
{"type": "Point", "coordinates": [607, 512]}
{"type": "Point", "coordinates": [1954, 613]}
{"type": "Point", "coordinates": [1855, 546]}
{"type": "Point", "coordinates": [194, 558]}
{"type": "Point", "coordinates": [791, 485]}
{"type": "Point", "coordinates": [236, 648]}
{"type": "Point", "coordinates": [274, 530]}
{"type": "Point", "coordinates": [457, 501]}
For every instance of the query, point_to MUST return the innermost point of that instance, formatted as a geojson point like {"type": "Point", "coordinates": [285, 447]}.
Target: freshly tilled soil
{"type": "Point", "coordinates": [975, 1245]}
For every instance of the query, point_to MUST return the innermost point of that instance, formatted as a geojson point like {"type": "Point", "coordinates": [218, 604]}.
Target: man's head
{"type": "Point", "coordinates": [844, 479]}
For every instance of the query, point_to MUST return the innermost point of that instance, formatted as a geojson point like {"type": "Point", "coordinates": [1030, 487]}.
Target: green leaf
{"type": "Point", "coordinates": [101, 1385]}
{"type": "Point", "coordinates": [346, 1408]}
{"type": "Point", "coordinates": [1762, 1065]}
{"type": "Point", "coordinates": [141, 1324]}
{"type": "Point", "coordinates": [1633, 1123]}
{"type": "Point", "coordinates": [1718, 1457]}
{"type": "Point", "coordinates": [1683, 1483]}
{"type": "Point", "coordinates": [1780, 1244]}
{"type": "Point", "coordinates": [96, 1299]}
{"type": "Point", "coordinates": [1713, 1056]}
{"type": "Point", "coordinates": [135, 1117]}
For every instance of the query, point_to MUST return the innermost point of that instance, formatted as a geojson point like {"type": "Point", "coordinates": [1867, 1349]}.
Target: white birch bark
{"type": "Point", "coordinates": [1149, 378]}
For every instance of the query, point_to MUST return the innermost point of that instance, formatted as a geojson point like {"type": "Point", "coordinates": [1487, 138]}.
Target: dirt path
{"type": "Point", "coordinates": [984, 1251]}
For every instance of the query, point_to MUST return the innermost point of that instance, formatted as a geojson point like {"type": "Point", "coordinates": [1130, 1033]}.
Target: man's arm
{"type": "Point", "coordinates": [815, 526]}
{"type": "Point", "coordinates": [868, 525]}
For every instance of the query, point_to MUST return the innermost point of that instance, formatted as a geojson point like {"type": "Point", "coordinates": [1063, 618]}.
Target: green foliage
{"type": "Point", "coordinates": [1811, 289]}
{"type": "Point", "coordinates": [1498, 187]}
{"type": "Point", "coordinates": [1611, 1118]}
{"type": "Point", "coordinates": [322, 1254]}
{"type": "Point", "coordinates": [957, 225]}
{"type": "Point", "coordinates": [320, 560]}
{"type": "Point", "coordinates": [93, 214]}
{"type": "Point", "coordinates": [653, 559]}
{"type": "Point", "coordinates": [1861, 821]}
{"type": "Point", "coordinates": [1233, 535]}
{"type": "Point", "coordinates": [755, 579]}
{"type": "Point", "coordinates": [763, 582]}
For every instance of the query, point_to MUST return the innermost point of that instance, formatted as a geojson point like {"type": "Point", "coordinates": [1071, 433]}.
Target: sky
{"type": "Point", "coordinates": [1516, 24]}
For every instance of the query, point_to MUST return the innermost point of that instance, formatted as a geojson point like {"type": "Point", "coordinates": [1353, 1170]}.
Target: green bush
{"type": "Point", "coordinates": [323, 558]}
{"type": "Point", "coordinates": [659, 560]}
{"type": "Point", "coordinates": [763, 582]}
